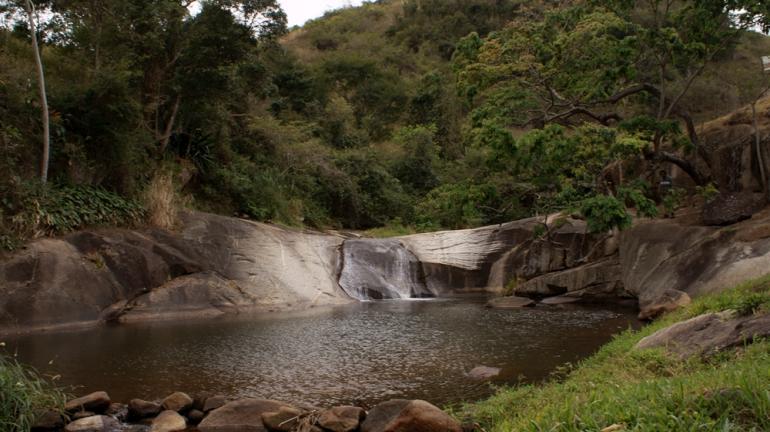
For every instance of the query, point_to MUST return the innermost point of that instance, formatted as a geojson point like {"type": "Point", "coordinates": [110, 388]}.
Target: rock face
{"type": "Point", "coordinates": [708, 334]}
{"type": "Point", "coordinates": [240, 416]}
{"type": "Point", "coordinates": [487, 259]}
{"type": "Point", "coordinates": [218, 265]}
{"type": "Point", "coordinates": [408, 416]}
{"type": "Point", "coordinates": [374, 269]}
{"type": "Point", "coordinates": [731, 208]}
{"type": "Point", "coordinates": [660, 260]}
{"type": "Point", "coordinates": [214, 265]}
{"type": "Point", "coordinates": [596, 280]}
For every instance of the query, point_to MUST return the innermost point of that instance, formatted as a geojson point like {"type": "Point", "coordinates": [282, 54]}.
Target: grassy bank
{"type": "Point", "coordinates": [23, 395]}
{"type": "Point", "coordinates": [649, 390]}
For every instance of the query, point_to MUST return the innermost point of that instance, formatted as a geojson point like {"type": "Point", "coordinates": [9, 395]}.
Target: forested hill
{"type": "Point", "coordinates": [415, 114]}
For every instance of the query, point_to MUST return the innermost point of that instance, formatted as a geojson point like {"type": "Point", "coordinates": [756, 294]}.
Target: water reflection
{"type": "Point", "coordinates": [363, 353]}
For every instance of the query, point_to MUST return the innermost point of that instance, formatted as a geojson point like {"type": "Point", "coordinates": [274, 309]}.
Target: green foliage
{"type": "Point", "coordinates": [40, 211]}
{"type": "Point", "coordinates": [23, 396]}
{"type": "Point", "coordinates": [604, 212]}
{"type": "Point", "coordinates": [648, 389]}
{"type": "Point", "coordinates": [673, 200]}
{"type": "Point", "coordinates": [456, 206]}
{"type": "Point", "coordinates": [433, 112]}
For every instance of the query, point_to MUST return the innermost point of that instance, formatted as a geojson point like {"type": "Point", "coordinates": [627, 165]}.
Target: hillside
{"type": "Point", "coordinates": [409, 115]}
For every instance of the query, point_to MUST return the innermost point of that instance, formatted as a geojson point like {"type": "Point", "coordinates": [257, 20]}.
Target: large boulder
{"type": "Point", "coordinates": [168, 421]}
{"type": "Point", "coordinates": [286, 419]}
{"type": "Point", "coordinates": [240, 416]}
{"type": "Point", "coordinates": [178, 402]}
{"type": "Point", "coordinates": [48, 421]}
{"type": "Point", "coordinates": [139, 409]}
{"type": "Point", "coordinates": [97, 402]}
{"type": "Point", "coordinates": [99, 423]}
{"type": "Point", "coordinates": [213, 403]}
{"type": "Point", "coordinates": [341, 419]}
{"type": "Point", "coordinates": [213, 265]}
{"type": "Point", "coordinates": [731, 208]}
{"type": "Point", "coordinates": [663, 258]}
{"type": "Point", "coordinates": [708, 334]}
{"type": "Point", "coordinates": [408, 416]}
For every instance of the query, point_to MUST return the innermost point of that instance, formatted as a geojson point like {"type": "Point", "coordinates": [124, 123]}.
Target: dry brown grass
{"type": "Point", "coordinates": [161, 201]}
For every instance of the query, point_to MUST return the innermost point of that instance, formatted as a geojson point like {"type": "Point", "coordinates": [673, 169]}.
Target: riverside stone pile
{"type": "Point", "coordinates": [96, 412]}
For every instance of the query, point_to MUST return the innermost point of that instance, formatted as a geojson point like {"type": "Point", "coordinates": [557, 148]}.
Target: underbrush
{"type": "Point", "coordinates": [649, 390]}
{"type": "Point", "coordinates": [23, 396]}
{"type": "Point", "coordinates": [32, 211]}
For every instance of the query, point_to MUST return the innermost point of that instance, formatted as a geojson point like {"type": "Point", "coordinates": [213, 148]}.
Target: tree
{"type": "Point", "coordinates": [31, 16]}
{"type": "Point", "coordinates": [29, 9]}
{"type": "Point", "coordinates": [607, 62]}
{"type": "Point", "coordinates": [624, 67]}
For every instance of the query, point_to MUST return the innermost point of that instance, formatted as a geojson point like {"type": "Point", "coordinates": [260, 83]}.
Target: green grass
{"type": "Point", "coordinates": [23, 396]}
{"type": "Point", "coordinates": [649, 390]}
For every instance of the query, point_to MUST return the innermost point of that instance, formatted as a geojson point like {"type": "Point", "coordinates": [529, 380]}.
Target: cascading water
{"type": "Point", "coordinates": [375, 269]}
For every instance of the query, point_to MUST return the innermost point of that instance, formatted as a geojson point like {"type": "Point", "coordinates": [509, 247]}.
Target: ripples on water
{"type": "Point", "coordinates": [362, 354]}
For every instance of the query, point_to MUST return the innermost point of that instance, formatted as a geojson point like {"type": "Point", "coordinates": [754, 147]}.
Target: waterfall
{"type": "Point", "coordinates": [374, 269]}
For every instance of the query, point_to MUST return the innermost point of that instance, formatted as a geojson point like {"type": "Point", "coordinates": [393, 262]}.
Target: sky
{"type": "Point", "coordinates": [299, 11]}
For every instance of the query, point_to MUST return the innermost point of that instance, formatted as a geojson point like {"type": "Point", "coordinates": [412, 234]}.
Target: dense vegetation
{"type": "Point", "coordinates": [413, 114]}
{"type": "Point", "coordinates": [23, 396]}
{"type": "Point", "coordinates": [646, 390]}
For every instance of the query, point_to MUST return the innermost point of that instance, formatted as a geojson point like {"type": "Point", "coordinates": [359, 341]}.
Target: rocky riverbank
{"type": "Point", "coordinates": [96, 412]}
{"type": "Point", "coordinates": [215, 265]}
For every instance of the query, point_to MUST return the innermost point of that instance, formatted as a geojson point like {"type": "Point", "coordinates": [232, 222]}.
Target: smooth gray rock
{"type": "Point", "coordinates": [660, 258]}
{"type": "Point", "coordinates": [708, 334]}
{"type": "Point", "coordinates": [560, 300]}
{"type": "Point", "coordinates": [482, 373]}
{"type": "Point", "coordinates": [511, 302]}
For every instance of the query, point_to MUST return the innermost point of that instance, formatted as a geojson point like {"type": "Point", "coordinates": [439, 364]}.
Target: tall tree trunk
{"type": "Point", "coordinates": [43, 97]}
{"type": "Point", "coordinates": [758, 150]}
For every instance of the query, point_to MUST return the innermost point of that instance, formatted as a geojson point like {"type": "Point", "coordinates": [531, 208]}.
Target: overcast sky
{"type": "Point", "coordinates": [300, 11]}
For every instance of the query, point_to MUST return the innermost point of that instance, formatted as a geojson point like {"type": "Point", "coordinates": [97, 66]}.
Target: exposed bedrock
{"type": "Point", "coordinates": [662, 260]}
{"type": "Point", "coordinates": [213, 265]}
{"type": "Point", "coordinates": [490, 258]}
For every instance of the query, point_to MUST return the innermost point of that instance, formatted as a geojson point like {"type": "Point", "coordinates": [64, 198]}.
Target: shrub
{"type": "Point", "coordinates": [37, 211]}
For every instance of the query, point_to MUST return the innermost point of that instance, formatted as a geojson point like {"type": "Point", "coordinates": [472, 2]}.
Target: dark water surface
{"type": "Point", "coordinates": [362, 354]}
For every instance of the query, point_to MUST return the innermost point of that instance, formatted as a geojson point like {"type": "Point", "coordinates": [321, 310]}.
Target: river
{"type": "Point", "coordinates": [358, 354]}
